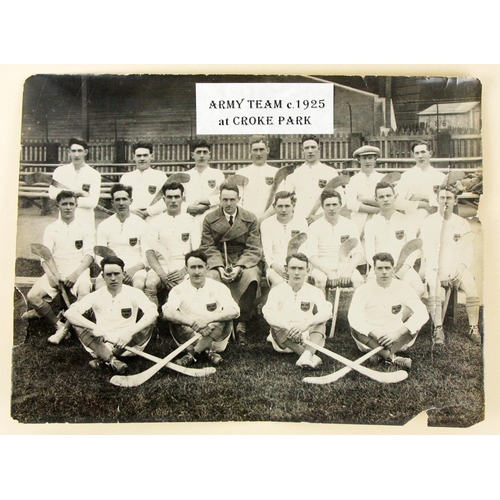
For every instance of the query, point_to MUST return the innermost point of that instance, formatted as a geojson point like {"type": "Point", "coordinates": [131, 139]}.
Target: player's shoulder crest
{"type": "Point", "coordinates": [151, 189]}
{"type": "Point", "coordinates": [133, 241]}
{"type": "Point", "coordinates": [212, 307]}
{"type": "Point", "coordinates": [269, 181]}
{"type": "Point", "coordinates": [322, 183]}
{"type": "Point", "coordinates": [396, 309]}
{"type": "Point", "coordinates": [78, 244]}
{"type": "Point", "coordinates": [185, 237]}
{"type": "Point", "coordinates": [295, 232]}
{"type": "Point", "coordinates": [344, 238]}
{"type": "Point", "coordinates": [305, 306]}
{"type": "Point", "coordinates": [126, 312]}
{"type": "Point", "coordinates": [456, 237]}
{"type": "Point", "coordinates": [211, 183]}
{"type": "Point", "coordinates": [400, 234]}
{"type": "Point", "coordinates": [86, 187]}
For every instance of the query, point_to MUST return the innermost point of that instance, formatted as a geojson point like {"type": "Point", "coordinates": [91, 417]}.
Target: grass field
{"type": "Point", "coordinates": [254, 383]}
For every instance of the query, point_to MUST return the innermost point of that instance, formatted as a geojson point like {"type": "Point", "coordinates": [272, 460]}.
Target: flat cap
{"type": "Point", "coordinates": [366, 150]}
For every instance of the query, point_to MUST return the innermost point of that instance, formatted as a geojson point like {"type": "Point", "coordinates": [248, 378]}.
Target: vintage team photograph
{"type": "Point", "coordinates": [200, 248]}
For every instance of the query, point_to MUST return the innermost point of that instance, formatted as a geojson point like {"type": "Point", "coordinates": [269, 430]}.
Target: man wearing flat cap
{"type": "Point", "coordinates": [360, 192]}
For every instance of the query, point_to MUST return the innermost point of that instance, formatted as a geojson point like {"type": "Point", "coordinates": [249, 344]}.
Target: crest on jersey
{"type": "Point", "coordinates": [269, 181]}
{"type": "Point", "coordinates": [322, 183]}
{"type": "Point", "coordinates": [151, 189]}
{"type": "Point", "coordinates": [185, 237]}
{"type": "Point", "coordinates": [305, 306]}
{"type": "Point", "coordinates": [436, 188]}
{"type": "Point", "coordinates": [86, 187]}
{"type": "Point", "coordinates": [295, 232]}
{"type": "Point", "coordinates": [400, 234]}
{"type": "Point", "coordinates": [132, 242]}
{"type": "Point", "coordinates": [344, 238]}
{"type": "Point", "coordinates": [78, 244]}
{"type": "Point", "coordinates": [211, 183]}
{"type": "Point", "coordinates": [212, 307]}
{"type": "Point", "coordinates": [396, 309]}
{"type": "Point", "coordinates": [126, 312]}
{"type": "Point", "coordinates": [456, 237]}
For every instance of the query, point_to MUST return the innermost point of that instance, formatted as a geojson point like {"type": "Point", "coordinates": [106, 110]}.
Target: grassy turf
{"type": "Point", "coordinates": [254, 383]}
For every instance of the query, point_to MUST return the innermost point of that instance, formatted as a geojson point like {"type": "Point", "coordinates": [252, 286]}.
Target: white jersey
{"type": "Point", "coordinates": [374, 308]}
{"type": "Point", "coordinates": [86, 179]}
{"type": "Point", "coordinates": [417, 182]}
{"type": "Point", "coordinates": [285, 307]}
{"type": "Point", "coordinates": [145, 186]}
{"type": "Point", "coordinates": [255, 194]}
{"type": "Point", "coordinates": [387, 235]}
{"type": "Point", "coordinates": [213, 297]}
{"type": "Point", "coordinates": [115, 314]}
{"type": "Point", "coordinates": [203, 185]}
{"type": "Point", "coordinates": [441, 249]}
{"type": "Point", "coordinates": [127, 239]}
{"type": "Point", "coordinates": [360, 185]}
{"type": "Point", "coordinates": [308, 183]}
{"type": "Point", "coordinates": [178, 235]}
{"type": "Point", "coordinates": [324, 239]}
{"type": "Point", "coordinates": [69, 244]}
{"type": "Point", "coordinates": [275, 237]}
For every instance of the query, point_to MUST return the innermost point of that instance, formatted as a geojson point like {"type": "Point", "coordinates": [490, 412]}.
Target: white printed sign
{"type": "Point", "coordinates": [264, 108]}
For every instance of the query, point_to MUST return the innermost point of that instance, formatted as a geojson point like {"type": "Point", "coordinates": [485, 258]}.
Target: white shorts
{"type": "Point", "coordinates": [43, 284]}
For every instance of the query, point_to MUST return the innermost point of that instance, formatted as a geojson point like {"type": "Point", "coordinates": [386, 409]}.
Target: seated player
{"type": "Point", "coordinates": [386, 312]}
{"type": "Point", "coordinates": [448, 254]}
{"type": "Point", "coordinates": [115, 307]}
{"type": "Point", "coordinates": [126, 234]}
{"type": "Point", "coordinates": [389, 232]}
{"type": "Point", "coordinates": [325, 236]}
{"type": "Point", "coordinates": [71, 242]}
{"type": "Point", "coordinates": [177, 234]}
{"type": "Point", "coordinates": [295, 309]}
{"type": "Point", "coordinates": [200, 305]}
{"type": "Point", "coordinates": [276, 233]}
{"type": "Point", "coordinates": [231, 240]}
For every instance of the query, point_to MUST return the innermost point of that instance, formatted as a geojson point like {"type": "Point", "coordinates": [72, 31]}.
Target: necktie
{"type": "Point", "coordinates": [230, 220]}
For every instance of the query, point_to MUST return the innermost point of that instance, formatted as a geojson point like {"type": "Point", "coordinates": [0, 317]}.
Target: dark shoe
{"type": "Point", "coordinates": [186, 360]}
{"type": "Point", "coordinates": [97, 364]}
{"type": "Point", "coordinates": [214, 358]}
{"type": "Point", "coordinates": [438, 335]}
{"type": "Point", "coordinates": [240, 334]}
{"type": "Point", "coordinates": [118, 366]}
{"type": "Point", "coordinates": [474, 334]}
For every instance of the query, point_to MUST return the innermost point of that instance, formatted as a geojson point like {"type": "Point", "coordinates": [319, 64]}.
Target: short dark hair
{"type": "Point", "coordinates": [120, 187]}
{"type": "Point", "coordinates": [310, 137]}
{"type": "Point", "coordinates": [383, 257]}
{"type": "Point", "coordinates": [282, 195]}
{"type": "Point", "coordinates": [112, 260]}
{"type": "Point", "coordinates": [229, 186]}
{"type": "Point", "coordinates": [420, 143]}
{"type": "Point", "coordinates": [172, 186]}
{"type": "Point", "coordinates": [200, 143]}
{"type": "Point", "coordinates": [448, 187]}
{"type": "Point", "coordinates": [144, 145]}
{"type": "Point", "coordinates": [299, 256]}
{"type": "Point", "coordinates": [383, 185]}
{"type": "Point", "coordinates": [198, 254]}
{"type": "Point", "coordinates": [65, 194]}
{"type": "Point", "coordinates": [330, 193]}
{"type": "Point", "coordinates": [258, 138]}
{"type": "Point", "coordinates": [79, 141]}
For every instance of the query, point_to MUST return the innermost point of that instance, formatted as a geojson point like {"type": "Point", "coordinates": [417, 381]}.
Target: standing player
{"type": "Point", "coordinates": [177, 233]}
{"type": "Point", "coordinates": [276, 232]}
{"type": "Point", "coordinates": [81, 179]}
{"type": "Point", "coordinates": [448, 255]}
{"type": "Point", "coordinates": [260, 177]}
{"type": "Point", "coordinates": [308, 180]}
{"type": "Point", "coordinates": [389, 232]}
{"type": "Point", "coordinates": [126, 234]}
{"type": "Point", "coordinates": [200, 305]}
{"type": "Point", "coordinates": [323, 244]}
{"type": "Point", "coordinates": [231, 240]}
{"type": "Point", "coordinates": [115, 307]}
{"type": "Point", "coordinates": [378, 314]}
{"type": "Point", "coordinates": [294, 309]}
{"type": "Point", "coordinates": [201, 191]}
{"type": "Point", "coordinates": [359, 196]}
{"type": "Point", "coordinates": [415, 190]}
{"type": "Point", "coordinates": [71, 242]}
{"type": "Point", "coordinates": [145, 181]}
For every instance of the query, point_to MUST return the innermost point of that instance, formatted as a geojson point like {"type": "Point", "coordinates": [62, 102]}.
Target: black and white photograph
{"type": "Point", "coordinates": [283, 248]}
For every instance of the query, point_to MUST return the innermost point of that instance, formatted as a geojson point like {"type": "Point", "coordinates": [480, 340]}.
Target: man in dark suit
{"type": "Point", "coordinates": [231, 241]}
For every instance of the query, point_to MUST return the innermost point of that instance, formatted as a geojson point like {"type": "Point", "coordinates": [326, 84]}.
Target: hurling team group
{"type": "Point", "coordinates": [192, 250]}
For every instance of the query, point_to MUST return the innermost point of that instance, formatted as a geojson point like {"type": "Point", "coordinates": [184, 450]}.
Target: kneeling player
{"type": "Point", "coordinates": [200, 305]}
{"type": "Point", "coordinates": [386, 312]}
{"type": "Point", "coordinates": [115, 307]}
{"type": "Point", "coordinates": [295, 308]}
